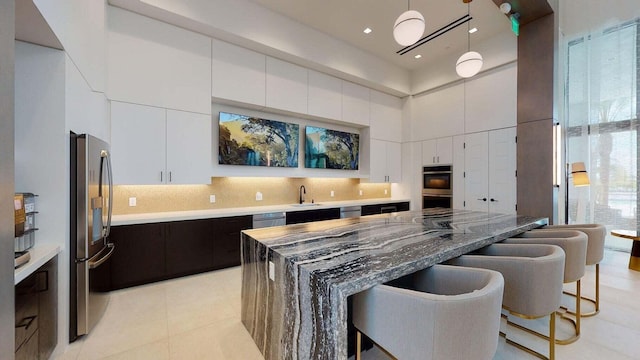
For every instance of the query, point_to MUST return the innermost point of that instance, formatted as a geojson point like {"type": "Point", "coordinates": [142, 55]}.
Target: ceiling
{"type": "Point", "coordinates": [346, 20]}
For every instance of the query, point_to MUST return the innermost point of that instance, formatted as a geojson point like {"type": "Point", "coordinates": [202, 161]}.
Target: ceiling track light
{"type": "Point", "coordinates": [443, 30]}
{"type": "Point", "coordinates": [409, 27]}
{"type": "Point", "coordinates": [470, 63]}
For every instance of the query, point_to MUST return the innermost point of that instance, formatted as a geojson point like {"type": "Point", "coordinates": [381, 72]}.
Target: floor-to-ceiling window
{"type": "Point", "coordinates": [601, 121]}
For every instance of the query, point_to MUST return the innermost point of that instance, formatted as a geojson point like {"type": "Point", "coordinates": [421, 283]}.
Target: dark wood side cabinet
{"type": "Point", "coordinates": [303, 216]}
{"type": "Point", "coordinates": [147, 253]}
{"type": "Point", "coordinates": [36, 313]}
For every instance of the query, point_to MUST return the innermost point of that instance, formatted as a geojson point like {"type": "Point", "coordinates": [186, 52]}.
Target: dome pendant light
{"type": "Point", "coordinates": [470, 63]}
{"type": "Point", "coordinates": [409, 27]}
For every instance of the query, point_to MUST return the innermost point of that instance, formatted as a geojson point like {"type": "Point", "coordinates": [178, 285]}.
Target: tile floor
{"type": "Point", "coordinates": [198, 317]}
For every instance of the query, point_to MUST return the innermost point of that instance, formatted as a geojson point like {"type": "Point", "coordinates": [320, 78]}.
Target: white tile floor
{"type": "Point", "coordinates": [198, 317]}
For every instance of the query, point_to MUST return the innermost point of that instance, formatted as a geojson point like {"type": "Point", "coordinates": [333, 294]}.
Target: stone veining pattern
{"type": "Point", "coordinates": [302, 312]}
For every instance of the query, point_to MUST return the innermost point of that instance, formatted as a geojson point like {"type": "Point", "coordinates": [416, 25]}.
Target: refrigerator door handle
{"type": "Point", "coordinates": [95, 263]}
{"type": "Point", "coordinates": [105, 154]}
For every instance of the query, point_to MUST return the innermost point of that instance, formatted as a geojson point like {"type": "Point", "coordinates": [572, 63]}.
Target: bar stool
{"type": "Point", "coordinates": [596, 234]}
{"type": "Point", "coordinates": [533, 277]}
{"type": "Point", "coordinates": [574, 244]}
{"type": "Point", "coordinates": [442, 312]}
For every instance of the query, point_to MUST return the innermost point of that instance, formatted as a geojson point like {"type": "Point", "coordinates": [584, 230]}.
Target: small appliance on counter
{"type": "Point", "coordinates": [25, 226]}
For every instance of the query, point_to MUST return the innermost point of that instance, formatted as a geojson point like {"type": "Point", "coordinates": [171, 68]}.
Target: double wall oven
{"type": "Point", "coordinates": [437, 186]}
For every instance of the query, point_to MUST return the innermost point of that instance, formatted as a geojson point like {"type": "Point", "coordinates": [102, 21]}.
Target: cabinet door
{"type": "Point", "coordinates": [237, 73]}
{"type": "Point", "coordinates": [458, 172]}
{"type": "Point", "coordinates": [138, 144]}
{"type": "Point", "coordinates": [227, 240]}
{"type": "Point", "coordinates": [189, 148]}
{"type": "Point", "coordinates": [47, 277]}
{"type": "Point", "coordinates": [429, 152]}
{"type": "Point", "coordinates": [502, 171]}
{"type": "Point", "coordinates": [286, 86]}
{"type": "Point", "coordinates": [477, 172]}
{"type": "Point", "coordinates": [444, 147]}
{"type": "Point", "coordinates": [189, 247]}
{"type": "Point", "coordinates": [386, 116]}
{"type": "Point", "coordinates": [355, 103]}
{"type": "Point", "coordinates": [325, 96]}
{"type": "Point", "coordinates": [394, 162]}
{"type": "Point", "coordinates": [378, 161]}
{"type": "Point", "coordinates": [139, 256]}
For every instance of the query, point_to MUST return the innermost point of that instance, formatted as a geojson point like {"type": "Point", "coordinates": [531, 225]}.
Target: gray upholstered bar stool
{"type": "Point", "coordinates": [442, 312]}
{"type": "Point", "coordinates": [574, 244]}
{"type": "Point", "coordinates": [533, 276]}
{"type": "Point", "coordinates": [596, 234]}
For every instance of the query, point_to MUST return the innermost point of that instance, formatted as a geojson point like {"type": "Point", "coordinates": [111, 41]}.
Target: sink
{"type": "Point", "coordinates": [306, 205]}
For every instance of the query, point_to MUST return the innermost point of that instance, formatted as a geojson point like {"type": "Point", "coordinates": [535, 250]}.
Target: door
{"type": "Point", "coordinates": [476, 172]}
{"type": "Point", "coordinates": [502, 167]}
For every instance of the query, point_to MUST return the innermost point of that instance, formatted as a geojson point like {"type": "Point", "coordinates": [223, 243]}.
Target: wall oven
{"type": "Point", "coordinates": [437, 186]}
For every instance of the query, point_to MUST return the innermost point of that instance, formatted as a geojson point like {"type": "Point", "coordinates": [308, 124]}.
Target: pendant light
{"type": "Point", "coordinates": [409, 27]}
{"type": "Point", "coordinates": [470, 63]}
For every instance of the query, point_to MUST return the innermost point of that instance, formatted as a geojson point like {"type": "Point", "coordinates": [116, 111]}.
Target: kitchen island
{"type": "Point", "coordinates": [296, 279]}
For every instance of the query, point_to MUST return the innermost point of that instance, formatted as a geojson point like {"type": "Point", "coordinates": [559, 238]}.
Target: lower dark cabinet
{"type": "Point", "coordinates": [139, 255]}
{"type": "Point", "coordinates": [385, 208]}
{"type": "Point", "coordinates": [303, 216]}
{"type": "Point", "coordinates": [147, 253]}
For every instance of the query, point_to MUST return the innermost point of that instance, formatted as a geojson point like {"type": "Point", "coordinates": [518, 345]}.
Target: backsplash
{"type": "Point", "coordinates": [233, 192]}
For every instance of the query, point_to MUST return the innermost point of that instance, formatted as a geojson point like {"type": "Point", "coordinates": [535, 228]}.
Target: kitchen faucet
{"type": "Point", "coordinates": [303, 191]}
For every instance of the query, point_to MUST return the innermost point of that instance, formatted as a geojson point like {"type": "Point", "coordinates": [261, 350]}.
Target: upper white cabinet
{"type": "Point", "coordinates": [386, 116]}
{"type": "Point", "coordinates": [458, 172]}
{"type": "Point", "coordinates": [438, 114]}
{"type": "Point", "coordinates": [151, 145]}
{"type": "Point", "coordinates": [491, 101]}
{"type": "Point", "coordinates": [355, 103]}
{"type": "Point", "coordinates": [153, 63]}
{"type": "Point", "coordinates": [237, 73]}
{"type": "Point", "coordinates": [385, 163]}
{"type": "Point", "coordinates": [286, 86]}
{"type": "Point", "coordinates": [437, 151]}
{"type": "Point", "coordinates": [325, 96]}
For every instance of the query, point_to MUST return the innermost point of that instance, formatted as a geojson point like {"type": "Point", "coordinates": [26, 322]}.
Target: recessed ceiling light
{"type": "Point", "coordinates": [418, 56]}
{"type": "Point", "coordinates": [367, 31]}
{"type": "Point", "coordinates": [473, 30]}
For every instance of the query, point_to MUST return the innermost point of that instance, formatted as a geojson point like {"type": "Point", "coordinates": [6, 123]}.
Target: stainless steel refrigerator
{"type": "Point", "coordinates": [91, 203]}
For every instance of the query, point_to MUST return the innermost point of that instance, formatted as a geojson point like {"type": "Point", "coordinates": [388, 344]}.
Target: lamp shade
{"type": "Point", "coordinates": [579, 174]}
{"type": "Point", "coordinates": [469, 64]}
{"type": "Point", "coordinates": [408, 28]}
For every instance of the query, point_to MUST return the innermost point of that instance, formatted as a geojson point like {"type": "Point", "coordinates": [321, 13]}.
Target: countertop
{"type": "Point", "coordinates": [40, 254]}
{"type": "Point", "coordinates": [239, 211]}
{"type": "Point", "coordinates": [296, 279]}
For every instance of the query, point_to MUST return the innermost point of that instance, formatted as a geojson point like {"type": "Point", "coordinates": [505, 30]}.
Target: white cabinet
{"type": "Point", "coordinates": [287, 86]}
{"type": "Point", "coordinates": [237, 74]}
{"type": "Point", "coordinates": [490, 171]}
{"type": "Point", "coordinates": [325, 96]}
{"type": "Point", "coordinates": [458, 172]}
{"type": "Point", "coordinates": [386, 116]}
{"type": "Point", "coordinates": [491, 100]}
{"type": "Point", "coordinates": [385, 163]}
{"type": "Point", "coordinates": [355, 103]}
{"type": "Point", "coordinates": [153, 63]}
{"type": "Point", "coordinates": [438, 114]}
{"type": "Point", "coordinates": [438, 151]}
{"type": "Point", "coordinates": [151, 145]}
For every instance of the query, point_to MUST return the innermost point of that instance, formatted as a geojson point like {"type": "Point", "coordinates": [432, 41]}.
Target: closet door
{"type": "Point", "coordinates": [477, 172]}
{"type": "Point", "coordinates": [502, 170]}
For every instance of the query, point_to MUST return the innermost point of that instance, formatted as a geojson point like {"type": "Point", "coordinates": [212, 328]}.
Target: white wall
{"type": "Point", "coordinates": [80, 27]}
{"type": "Point", "coordinates": [248, 24]}
{"type": "Point", "coordinates": [41, 153]}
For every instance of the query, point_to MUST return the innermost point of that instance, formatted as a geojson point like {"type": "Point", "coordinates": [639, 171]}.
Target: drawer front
{"type": "Point", "coordinates": [26, 305]}
{"type": "Point", "coordinates": [28, 350]}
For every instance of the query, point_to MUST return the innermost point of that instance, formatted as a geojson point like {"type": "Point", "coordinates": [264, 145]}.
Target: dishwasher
{"type": "Point", "coordinates": [269, 219]}
{"type": "Point", "coordinates": [350, 211]}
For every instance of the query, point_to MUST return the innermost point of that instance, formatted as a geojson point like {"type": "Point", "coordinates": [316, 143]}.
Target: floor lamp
{"type": "Point", "coordinates": [580, 178]}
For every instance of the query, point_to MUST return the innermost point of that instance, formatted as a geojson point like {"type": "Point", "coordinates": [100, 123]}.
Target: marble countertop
{"type": "Point", "coordinates": [239, 211]}
{"type": "Point", "coordinates": [316, 266]}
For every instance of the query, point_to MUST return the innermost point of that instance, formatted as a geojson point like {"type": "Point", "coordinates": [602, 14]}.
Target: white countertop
{"type": "Point", "coordinates": [252, 210]}
{"type": "Point", "coordinates": [40, 254]}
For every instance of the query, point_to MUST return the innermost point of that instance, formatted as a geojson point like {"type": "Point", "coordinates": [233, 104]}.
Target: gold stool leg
{"type": "Point", "coordinates": [552, 336]}
{"type": "Point", "coordinates": [358, 344]}
{"type": "Point", "coordinates": [595, 301]}
{"type": "Point", "coordinates": [576, 322]}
